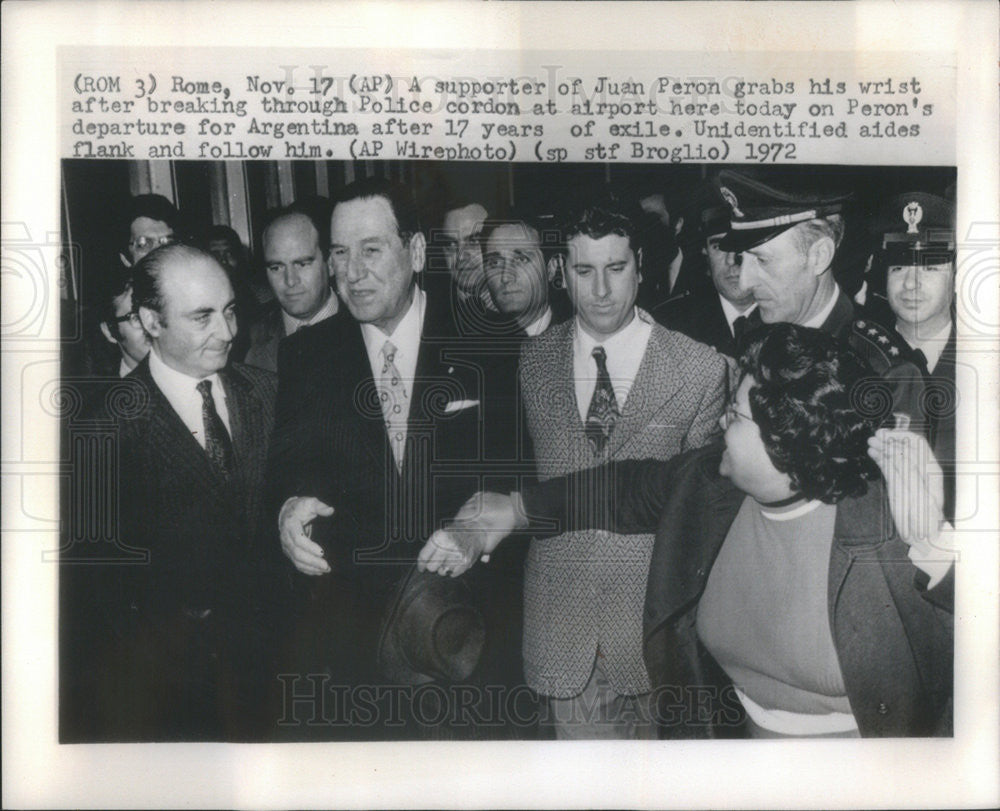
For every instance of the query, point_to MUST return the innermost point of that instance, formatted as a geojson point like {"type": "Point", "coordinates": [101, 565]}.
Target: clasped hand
{"type": "Point", "coordinates": [477, 529]}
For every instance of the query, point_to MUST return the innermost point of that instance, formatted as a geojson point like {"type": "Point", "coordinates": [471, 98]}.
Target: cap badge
{"type": "Point", "coordinates": [731, 200]}
{"type": "Point", "coordinates": [912, 215]}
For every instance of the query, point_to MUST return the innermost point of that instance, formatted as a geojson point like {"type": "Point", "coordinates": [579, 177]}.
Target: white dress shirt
{"type": "Point", "coordinates": [731, 313]}
{"type": "Point", "coordinates": [540, 324]}
{"type": "Point", "coordinates": [182, 393]}
{"type": "Point", "coordinates": [406, 339]}
{"type": "Point", "coordinates": [932, 345]}
{"type": "Point", "coordinates": [291, 323]}
{"type": "Point", "coordinates": [625, 350]}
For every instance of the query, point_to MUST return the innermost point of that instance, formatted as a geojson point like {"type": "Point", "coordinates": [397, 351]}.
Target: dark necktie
{"type": "Point", "coordinates": [603, 411]}
{"type": "Point", "coordinates": [217, 443]}
{"type": "Point", "coordinates": [920, 359]}
{"type": "Point", "coordinates": [739, 327]}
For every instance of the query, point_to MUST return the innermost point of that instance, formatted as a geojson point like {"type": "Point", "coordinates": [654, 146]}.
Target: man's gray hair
{"type": "Point", "coordinates": [807, 233]}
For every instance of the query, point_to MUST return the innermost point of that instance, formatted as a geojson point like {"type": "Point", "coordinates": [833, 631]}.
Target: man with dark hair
{"type": "Point", "coordinates": [779, 602]}
{"type": "Point", "coordinates": [183, 636]}
{"type": "Point", "coordinates": [120, 323]}
{"type": "Point", "coordinates": [715, 311]}
{"type": "Point", "coordinates": [518, 278]}
{"type": "Point", "coordinates": [295, 257]}
{"type": "Point", "coordinates": [607, 384]}
{"type": "Point", "coordinates": [150, 221]}
{"type": "Point", "coordinates": [379, 435]}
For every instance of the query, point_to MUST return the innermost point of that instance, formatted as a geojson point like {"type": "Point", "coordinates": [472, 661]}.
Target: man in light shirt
{"type": "Point", "coordinates": [182, 639]}
{"type": "Point", "coordinates": [120, 325]}
{"type": "Point", "coordinates": [786, 242]}
{"type": "Point", "coordinates": [295, 262]}
{"type": "Point", "coordinates": [717, 311]}
{"type": "Point", "coordinates": [369, 408]}
{"type": "Point", "coordinates": [608, 384]}
{"type": "Point", "coordinates": [518, 277]}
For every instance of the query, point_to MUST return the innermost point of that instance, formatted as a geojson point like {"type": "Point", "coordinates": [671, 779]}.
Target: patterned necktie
{"type": "Point", "coordinates": [395, 405]}
{"type": "Point", "coordinates": [603, 411]}
{"type": "Point", "coordinates": [217, 443]}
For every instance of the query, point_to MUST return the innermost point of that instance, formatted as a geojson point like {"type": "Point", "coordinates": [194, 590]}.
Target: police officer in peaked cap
{"type": "Point", "coordinates": [787, 241]}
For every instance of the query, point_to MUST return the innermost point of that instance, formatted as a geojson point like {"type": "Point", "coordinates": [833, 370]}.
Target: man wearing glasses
{"type": "Point", "coordinates": [152, 220]}
{"type": "Point", "coordinates": [120, 325]}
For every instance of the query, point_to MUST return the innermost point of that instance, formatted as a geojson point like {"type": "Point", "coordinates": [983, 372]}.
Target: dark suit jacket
{"type": "Point", "coordinates": [330, 442]}
{"type": "Point", "coordinates": [182, 638]}
{"type": "Point", "coordinates": [698, 314]}
{"type": "Point", "coordinates": [265, 334]}
{"type": "Point", "coordinates": [894, 638]}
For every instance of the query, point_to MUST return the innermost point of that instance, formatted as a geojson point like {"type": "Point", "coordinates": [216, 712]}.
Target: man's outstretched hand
{"type": "Point", "coordinates": [294, 525]}
{"type": "Point", "coordinates": [477, 529]}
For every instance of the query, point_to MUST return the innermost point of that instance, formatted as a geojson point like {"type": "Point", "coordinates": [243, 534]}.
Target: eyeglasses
{"type": "Point", "coordinates": [149, 243]}
{"type": "Point", "coordinates": [127, 317]}
{"type": "Point", "coordinates": [732, 413]}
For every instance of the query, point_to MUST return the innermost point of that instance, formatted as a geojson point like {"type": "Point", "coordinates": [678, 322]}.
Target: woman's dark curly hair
{"type": "Point", "coordinates": [808, 401]}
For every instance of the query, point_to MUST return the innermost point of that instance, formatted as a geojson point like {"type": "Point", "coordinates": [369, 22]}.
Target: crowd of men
{"type": "Point", "coordinates": [296, 445]}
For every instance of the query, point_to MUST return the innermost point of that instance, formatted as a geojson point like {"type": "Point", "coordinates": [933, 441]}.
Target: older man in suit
{"type": "Point", "coordinates": [378, 437]}
{"type": "Point", "coordinates": [295, 248]}
{"type": "Point", "coordinates": [608, 384]}
{"type": "Point", "coordinates": [182, 638]}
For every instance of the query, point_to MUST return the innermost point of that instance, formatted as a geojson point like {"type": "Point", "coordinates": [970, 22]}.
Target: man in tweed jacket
{"type": "Point", "coordinates": [584, 590]}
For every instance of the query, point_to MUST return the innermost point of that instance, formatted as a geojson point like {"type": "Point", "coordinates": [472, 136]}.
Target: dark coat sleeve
{"type": "Point", "coordinates": [626, 496]}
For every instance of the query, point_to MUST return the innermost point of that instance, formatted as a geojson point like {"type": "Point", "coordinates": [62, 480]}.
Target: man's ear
{"type": "Point", "coordinates": [150, 321]}
{"type": "Point", "coordinates": [125, 260]}
{"type": "Point", "coordinates": [820, 255]}
{"type": "Point", "coordinates": [638, 263]}
{"type": "Point", "coordinates": [678, 225]}
{"type": "Point", "coordinates": [418, 251]}
{"type": "Point", "coordinates": [329, 266]}
{"type": "Point", "coordinates": [106, 331]}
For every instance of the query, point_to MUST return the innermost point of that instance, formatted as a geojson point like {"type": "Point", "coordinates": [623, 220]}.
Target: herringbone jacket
{"type": "Point", "coordinates": [585, 590]}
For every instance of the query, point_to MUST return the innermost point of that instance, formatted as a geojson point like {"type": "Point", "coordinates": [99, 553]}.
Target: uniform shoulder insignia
{"type": "Point", "coordinates": [882, 348]}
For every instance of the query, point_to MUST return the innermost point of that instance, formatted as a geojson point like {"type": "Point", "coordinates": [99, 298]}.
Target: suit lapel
{"type": "Point", "coordinates": [358, 394]}
{"type": "Point", "coordinates": [654, 380]}
{"type": "Point", "coordinates": [169, 438]}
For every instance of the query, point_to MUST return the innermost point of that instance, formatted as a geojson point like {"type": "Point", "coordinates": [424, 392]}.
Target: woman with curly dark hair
{"type": "Point", "coordinates": [781, 599]}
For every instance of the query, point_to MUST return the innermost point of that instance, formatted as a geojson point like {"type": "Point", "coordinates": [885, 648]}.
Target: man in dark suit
{"type": "Point", "coordinates": [379, 436]}
{"type": "Point", "coordinates": [295, 249]}
{"type": "Point", "coordinates": [181, 640]}
{"type": "Point", "coordinates": [714, 311]}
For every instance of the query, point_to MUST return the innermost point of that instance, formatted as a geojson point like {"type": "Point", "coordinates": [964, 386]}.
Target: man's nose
{"type": "Point", "coordinates": [748, 274]}
{"type": "Point", "coordinates": [225, 327]}
{"type": "Point", "coordinates": [911, 279]}
{"type": "Point", "coordinates": [291, 277]}
{"type": "Point", "coordinates": [355, 268]}
{"type": "Point", "coordinates": [601, 287]}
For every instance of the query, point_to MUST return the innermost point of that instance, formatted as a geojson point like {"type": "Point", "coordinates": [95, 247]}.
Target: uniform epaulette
{"type": "Point", "coordinates": [881, 347]}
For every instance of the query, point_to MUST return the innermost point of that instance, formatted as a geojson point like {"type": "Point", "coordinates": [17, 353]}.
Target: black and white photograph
{"type": "Point", "coordinates": [400, 422]}
{"type": "Point", "coordinates": [400, 350]}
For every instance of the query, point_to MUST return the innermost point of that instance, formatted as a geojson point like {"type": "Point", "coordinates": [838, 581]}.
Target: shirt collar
{"type": "Point", "coordinates": [584, 342]}
{"type": "Point", "coordinates": [330, 307]}
{"type": "Point", "coordinates": [819, 319]}
{"type": "Point", "coordinates": [406, 336]}
{"type": "Point", "coordinates": [731, 313]}
{"type": "Point", "coordinates": [540, 324]}
{"type": "Point", "coordinates": [170, 380]}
